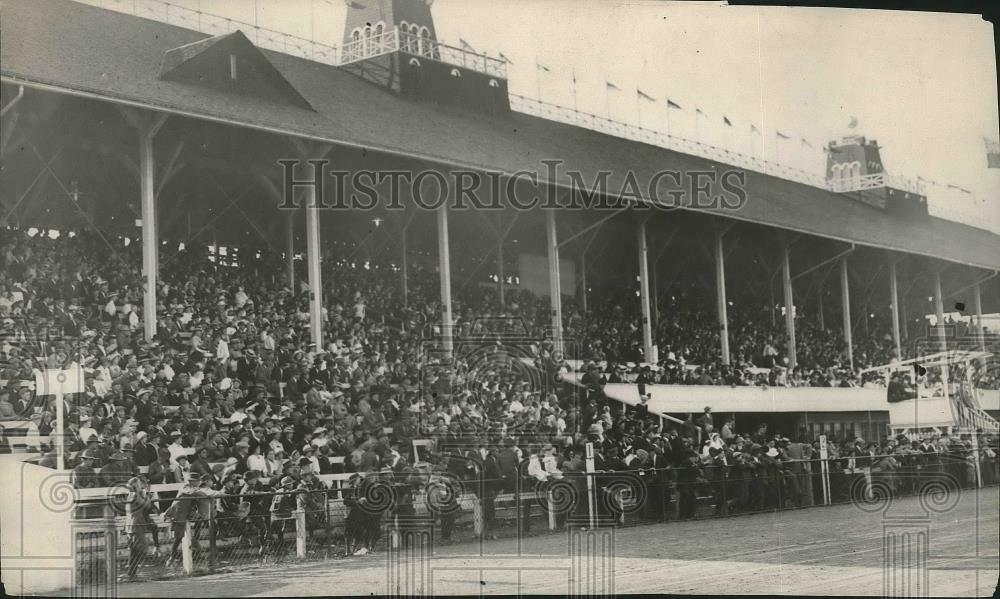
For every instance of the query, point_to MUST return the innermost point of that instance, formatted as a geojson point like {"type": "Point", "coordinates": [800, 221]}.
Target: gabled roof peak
{"type": "Point", "coordinates": [230, 62]}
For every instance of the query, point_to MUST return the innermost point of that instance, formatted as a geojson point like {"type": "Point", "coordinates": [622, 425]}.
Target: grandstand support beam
{"type": "Point", "coordinates": [272, 190]}
{"type": "Point", "coordinates": [942, 334]}
{"type": "Point", "coordinates": [977, 307]}
{"type": "Point", "coordinates": [500, 274]}
{"type": "Point", "coordinates": [830, 260]}
{"type": "Point", "coordinates": [583, 266]}
{"type": "Point", "coordinates": [315, 274]}
{"type": "Point", "coordinates": [939, 313]}
{"type": "Point", "coordinates": [647, 320]}
{"type": "Point", "coordinates": [444, 265]}
{"type": "Point", "coordinates": [786, 279]}
{"type": "Point", "coordinates": [501, 239]}
{"type": "Point", "coordinates": [894, 306]}
{"type": "Point", "coordinates": [555, 292]}
{"type": "Point", "coordinates": [720, 289]}
{"type": "Point", "coordinates": [305, 152]}
{"type": "Point", "coordinates": [405, 260]}
{"type": "Point", "coordinates": [596, 225]}
{"type": "Point", "coordinates": [290, 251]}
{"type": "Point", "coordinates": [845, 306]}
{"type": "Point", "coordinates": [146, 125]}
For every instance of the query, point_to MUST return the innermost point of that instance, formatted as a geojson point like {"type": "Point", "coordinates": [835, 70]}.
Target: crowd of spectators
{"type": "Point", "coordinates": [233, 352]}
{"type": "Point", "coordinates": [231, 394]}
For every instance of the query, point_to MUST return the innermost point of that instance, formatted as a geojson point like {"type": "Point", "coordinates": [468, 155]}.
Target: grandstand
{"type": "Point", "coordinates": [221, 306]}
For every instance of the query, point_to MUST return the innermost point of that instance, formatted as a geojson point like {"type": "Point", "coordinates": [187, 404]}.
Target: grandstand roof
{"type": "Point", "coordinates": [78, 49]}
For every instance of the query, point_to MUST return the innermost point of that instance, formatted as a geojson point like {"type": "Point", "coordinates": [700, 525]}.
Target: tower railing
{"type": "Point", "coordinates": [874, 181]}
{"type": "Point", "coordinates": [369, 47]}
{"type": "Point", "coordinates": [417, 45]}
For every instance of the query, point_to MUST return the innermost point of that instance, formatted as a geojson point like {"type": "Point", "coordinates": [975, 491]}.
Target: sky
{"type": "Point", "coordinates": [923, 84]}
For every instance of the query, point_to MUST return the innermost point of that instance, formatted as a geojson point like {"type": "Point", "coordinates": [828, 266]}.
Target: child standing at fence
{"type": "Point", "coordinates": [138, 521]}
{"type": "Point", "coordinates": [184, 509]}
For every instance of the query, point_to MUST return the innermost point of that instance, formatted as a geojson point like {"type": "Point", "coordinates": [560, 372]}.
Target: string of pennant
{"type": "Point", "coordinates": [726, 121]}
{"type": "Point", "coordinates": [992, 146]}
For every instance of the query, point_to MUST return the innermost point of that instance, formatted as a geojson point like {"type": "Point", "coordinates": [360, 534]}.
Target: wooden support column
{"type": "Point", "coordinates": [647, 320]}
{"type": "Point", "coordinates": [977, 307]}
{"type": "Point", "coordinates": [315, 155]}
{"type": "Point", "coordinates": [721, 304]}
{"type": "Point", "coordinates": [845, 306]}
{"type": "Point", "coordinates": [894, 307]}
{"type": "Point", "coordinates": [786, 279]}
{"type": "Point", "coordinates": [444, 265]}
{"type": "Point", "coordinates": [555, 292]}
{"type": "Point", "coordinates": [146, 125]}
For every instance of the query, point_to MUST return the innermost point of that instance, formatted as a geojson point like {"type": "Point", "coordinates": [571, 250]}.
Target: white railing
{"type": "Point", "coordinates": [874, 181]}
{"type": "Point", "coordinates": [610, 126]}
{"type": "Point", "coordinates": [429, 48]}
{"type": "Point", "coordinates": [197, 20]}
{"type": "Point", "coordinates": [370, 47]}
{"type": "Point", "coordinates": [391, 40]}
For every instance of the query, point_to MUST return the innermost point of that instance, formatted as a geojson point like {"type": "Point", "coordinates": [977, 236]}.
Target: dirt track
{"type": "Point", "coordinates": [819, 551]}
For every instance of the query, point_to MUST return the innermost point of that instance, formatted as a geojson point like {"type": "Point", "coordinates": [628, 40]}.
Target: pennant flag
{"type": "Point", "coordinates": [726, 121]}
{"type": "Point", "coordinates": [466, 45]}
{"type": "Point", "coordinates": [781, 135]}
{"type": "Point", "coordinates": [806, 143]}
{"type": "Point", "coordinates": [992, 153]}
{"type": "Point", "coordinates": [644, 95]}
{"type": "Point", "coordinates": [753, 129]}
{"type": "Point", "coordinates": [671, 104]}
{"type": "Point", "coordinates": [542, 67]}
{"type": "Point", "coordinates": [854, 123]}
{"type": "Point", "coordinates": [962, 189]}
{"type": "Point", "coordinates": [504, 58]}
{"type": "Point", "coordinates": [611, 86]}
{"type": "Point", "coordinates": [698, 110]}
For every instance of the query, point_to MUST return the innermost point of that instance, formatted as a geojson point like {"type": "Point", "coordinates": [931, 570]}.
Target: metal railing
{"type": "Point", "coordinates": [662, 139]}
{"type": "Point", "coordinates": [610, 126]}
{"type": "Point", "coordinates": [197, 20]}
{"type": "Point", "coordinates": [874, 181]}
{"type": "Point", "coordinates": [429, 48]}
{"type": "Point", "coordinates": [370, 46]}
{"type": "Point", "coordinates": [239, 530]}
{"type": "Point", "coordinates": [391, 40]}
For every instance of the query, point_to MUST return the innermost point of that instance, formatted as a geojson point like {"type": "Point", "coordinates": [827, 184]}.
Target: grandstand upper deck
{"type": "Point", "coordinates": [64, 49]}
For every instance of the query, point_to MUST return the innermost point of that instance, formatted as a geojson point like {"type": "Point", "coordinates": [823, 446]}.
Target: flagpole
{"type": "Point", "coordinates": [575, 109]}
{"type": "Point", "coordinates": [538, 79]}
{"type": "Point", "coordinates": [607, 100]}
{"type": "Point", "coordinates": [638, 108]}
